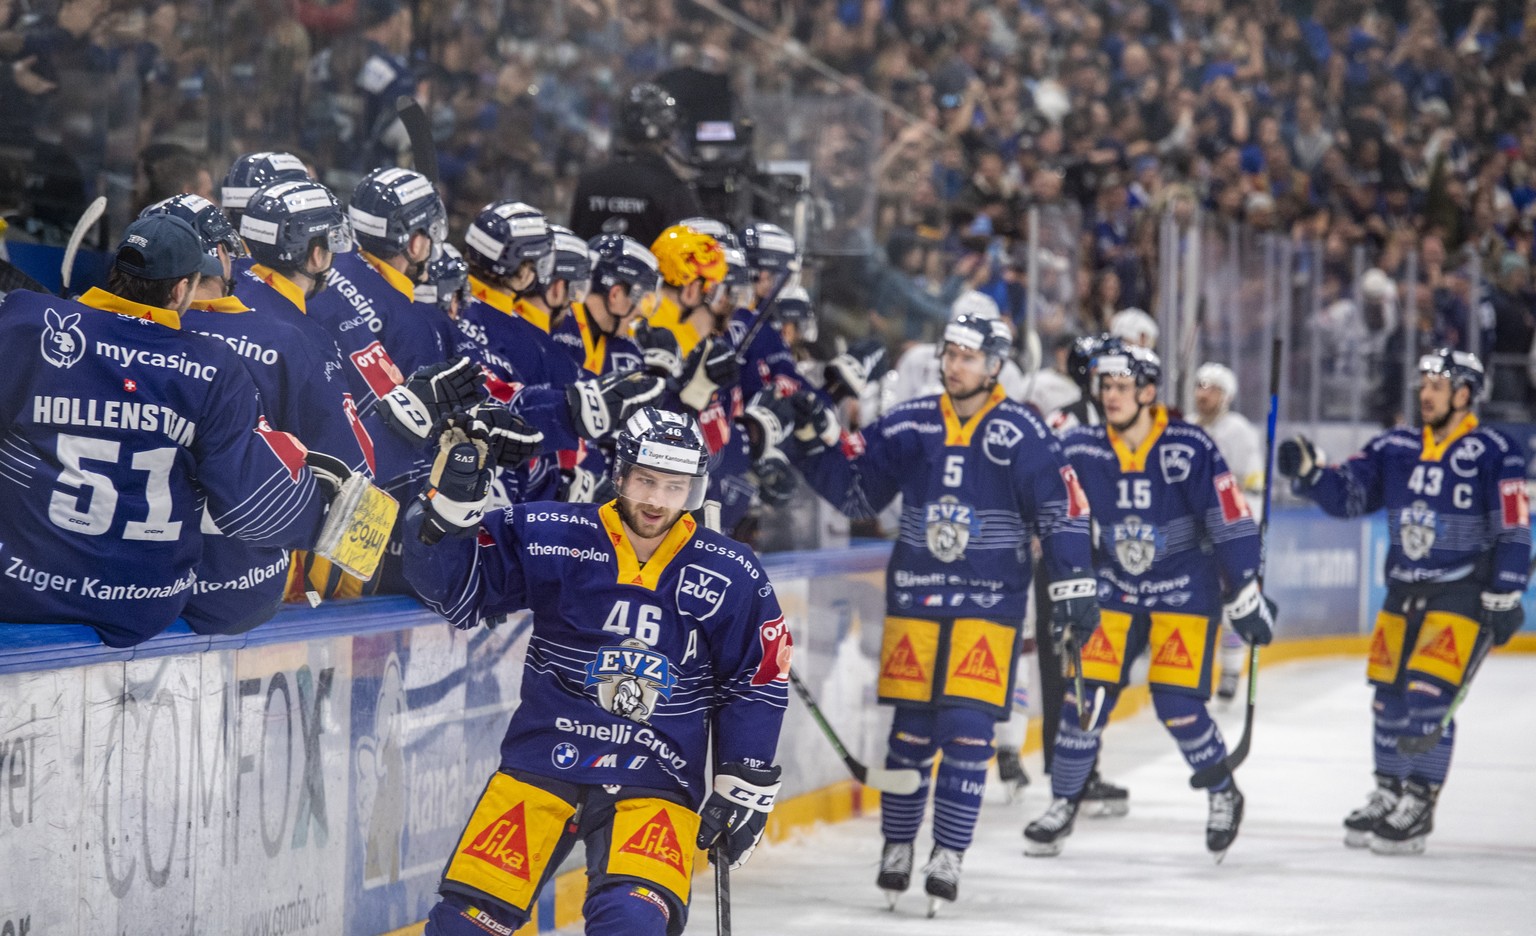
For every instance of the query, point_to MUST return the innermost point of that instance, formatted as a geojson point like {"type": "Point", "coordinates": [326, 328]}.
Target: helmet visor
{"type": "Point", "coordinates": [339, 238]}
{"type": "Point", "coordinates": [656, 488]}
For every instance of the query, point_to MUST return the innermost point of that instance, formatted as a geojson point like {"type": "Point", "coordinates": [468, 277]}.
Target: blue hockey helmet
{"type": "Point", "coordinates": [505, 235]}
{"type": "Point", "coordinates": [1462, 368]}
{"type": "Point", "coordinates": [281, 221]}
{"type": "Point", "coordinates": [794, 307]}
{"type": "Point", "coordinates": [449, 274]}
{"type": "Point", "coordinates": [390, 205]}
{"type": "Point", "coordinates": [255, 171]}
{"type": "Point", "coordinates": [211, 224]}
{"type": "Point", "coordinates": [665, 442]}
{"type": "Point", "coordinates": [572, 263]}
{"type": "Point", "coordinates": [620, 260]}
{"type": "Point", "coordinates": [1080, 357]}
{"type": "Point", "coordinates": [987, 335]}
{"type": "Point", "coordinates": [769, 247]}
{"type": "Point", "coordinates": [1118, 359]}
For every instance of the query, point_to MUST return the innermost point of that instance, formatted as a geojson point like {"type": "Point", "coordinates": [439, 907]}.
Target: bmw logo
{"type": "Point", "coordinates": [565, 755]}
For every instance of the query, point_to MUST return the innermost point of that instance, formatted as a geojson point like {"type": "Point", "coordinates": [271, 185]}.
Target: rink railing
{"type": "Point", "coordinates": [313, 775]}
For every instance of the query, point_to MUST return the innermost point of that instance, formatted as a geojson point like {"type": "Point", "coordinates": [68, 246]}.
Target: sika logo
{"type": "Point", "coordinates": [503, 844]}
{"type": "Point", "coordinates": [979, 664]}
{"type": "Point", "coordinates": [903, 664]}
{"type": "Point", "coordinates": [657, 840]}
{"type": "Point", "coordinates": [63, 341]}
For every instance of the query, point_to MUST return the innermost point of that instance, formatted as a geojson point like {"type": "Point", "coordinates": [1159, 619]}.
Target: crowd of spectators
{"type": "Point", "coordinates": [1402, 127]}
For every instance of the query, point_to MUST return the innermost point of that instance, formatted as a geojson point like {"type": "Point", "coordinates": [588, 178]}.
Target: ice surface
{"type": "Point", "coordinates": [1148, 874]}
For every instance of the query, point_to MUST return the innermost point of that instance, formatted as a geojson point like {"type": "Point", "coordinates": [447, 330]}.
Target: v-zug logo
{"type": "Point", "coordinates": [700, 592]}
{"type": "Point", "coordinates": [63, 342]}
{"type": "Point", "coordinates": [631, 679]}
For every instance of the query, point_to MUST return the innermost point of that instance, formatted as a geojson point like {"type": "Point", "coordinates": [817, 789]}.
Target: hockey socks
{"type": "Point", "coordinates": [1390, 711]}
{"type": "Point", "coordinates": [1199, 739]}
{"type": "Point", "coordinates": [911, 746]}
{"type": "Point", "coordinates": [961, 779]}
{"type": "Point", "coordinates": [1076, 751]}
{"type": "Point", "coordinates": [1427, 701]}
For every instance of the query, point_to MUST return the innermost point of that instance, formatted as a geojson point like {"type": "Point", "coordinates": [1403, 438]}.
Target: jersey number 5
{"type": "Point", "coordinates": [954, 470]}
{"type": "Point", "coordinates": [99, 494]}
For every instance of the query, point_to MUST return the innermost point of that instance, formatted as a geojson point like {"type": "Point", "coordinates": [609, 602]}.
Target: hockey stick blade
{"type": "Point", "coordinates": [88, 219]}
{"type": "Point", "coordinates": [900, 781]}
{"type": "Point", "coordinates": [419, 128]}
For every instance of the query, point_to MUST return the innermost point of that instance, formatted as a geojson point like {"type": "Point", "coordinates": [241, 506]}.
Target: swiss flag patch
{"type": "Point", "coordinates": [1234, 506]}
{"type": "Point", "coordinates": [359, 431]}
{"type": "Point", "coordinates": [289, 450]}
{"type": "Point", "coordinates": [1077, 500]}
{"type": "Point", "coordinates": [378, 369]}
{"type": "Point", "coordinates": [1516, 502]}
{"type": "Point", "coordinates": [777, 649]}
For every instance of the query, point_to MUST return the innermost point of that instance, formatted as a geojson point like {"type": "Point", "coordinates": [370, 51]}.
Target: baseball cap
{"type": "Point", "coordinates": [164, 247]}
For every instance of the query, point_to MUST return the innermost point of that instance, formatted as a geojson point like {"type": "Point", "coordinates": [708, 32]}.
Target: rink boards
{"type": "Point", "coordinates": [313, 776]}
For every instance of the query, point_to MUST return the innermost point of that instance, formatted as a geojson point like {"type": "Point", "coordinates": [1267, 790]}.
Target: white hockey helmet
{"type": "Point", "coordinates": [975, 304]}
{"type": "Point", "coordinates": [1220, 376]}
{"type": "Point", "coordinates": [1135, 327]}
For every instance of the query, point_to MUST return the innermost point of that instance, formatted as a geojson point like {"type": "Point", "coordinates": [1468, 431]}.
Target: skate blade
{"type": "Point", "coordinates": [1356, 838]}
{"type": "Point", "coordinates": [933, 906]}
{"type": "Point", "coordinates": [1042, 849]}
{"type": "Point", "coordinates": [1413, 846]}
{"type": "Point", "coordinates": [891, 896]}
{"type": "Point", "coordinates": [1219, 855]}
{"type": "Point", "coordinates": [1104, 809]}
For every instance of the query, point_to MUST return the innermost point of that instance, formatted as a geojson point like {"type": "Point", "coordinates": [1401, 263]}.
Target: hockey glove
{"type": "Point", "coordinates": [768, 419]}
{"type": "Point", "coordinates": [330, 471]}
{"type": "Point", "coordinates": [776, 483]}
{"type": "Point", "coordinates": [1252, 614]}
{"type": "Point", "coordinates": [580, 486]}
{"type": "Point", "coordinates": [458, 490]}
{"type": "Point", "coordinates": [659, 346]}
{"type": "Point", "coordinates": [712, 365]}
{"type": "Point", "coordinates": [1502, 615]}
{"type": "Point", "coordinates": [737, 811]}
{"type": "Point", "coordinates": [853, 370]}
{"type": "Point", "coordinates": [598, 407]}
{"type": "Point", "coordinates": [815, 424]}
{"type": "Point", "coordinates": [1074, 609]}
{"type": "Point", "coordinates": [508, 438]}
{"type": "Point", "coordinates": [1298, 458]}
{"type": "Point", "coordinates": [431, 393]}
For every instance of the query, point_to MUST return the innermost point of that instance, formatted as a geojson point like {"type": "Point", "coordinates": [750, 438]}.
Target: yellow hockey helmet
{"type": "Point", "coordinates": [685, 255]}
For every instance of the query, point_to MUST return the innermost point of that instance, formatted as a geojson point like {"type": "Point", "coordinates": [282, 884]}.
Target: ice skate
{"type": "Point", "coordinates": [1047, 833]}
{"type": "Point", "coordinates": [943, 870]}
{"type": "Point", "coordinates": [1358, 824]}
{"type": "Point", "coordinates": [895, 871]}
{"type": "Point", "coordinates": [1101, 800]}
{"type": "Point", "coordinates": [1010, 771]}
{"type": "Point", "coordinates": [1404, 829]}
{"type": "Point", "coordinates": [1226, 689]}
{"type": "Point", "coordinates": [1225, 817]}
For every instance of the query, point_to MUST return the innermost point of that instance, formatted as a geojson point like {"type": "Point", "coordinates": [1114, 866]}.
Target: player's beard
{"type": "Point", "coordinates": [633, 514]}
{"type": "Point", "coordinates": [1438, 425]}
{"type": "Point", "coordinates": [1126, 426]}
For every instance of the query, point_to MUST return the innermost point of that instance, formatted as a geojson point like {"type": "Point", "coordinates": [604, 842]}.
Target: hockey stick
{"type": "Point", "coordinates": [1074, 655]}
{"type": "Point", "coordinates": [764, 310]}
{"type": "Point", "coordinates": [12, 279]}
{"type": "Point", "coordinates": [93, 213]}
{"type": "Point", "coordinates": [902, 781]}
{"type": "Point", "coordinates": [419, 128]}
{"type": "Point", "coordinates": [1209, 776]}
{"type": "Point", "coordinates": [722, 891]}
{"type": "Point", "coordinates": [1413, 746]}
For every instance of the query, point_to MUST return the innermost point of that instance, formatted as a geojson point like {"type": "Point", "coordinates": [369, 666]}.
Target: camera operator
{"type": "Point", "coordinates": [637, 193]}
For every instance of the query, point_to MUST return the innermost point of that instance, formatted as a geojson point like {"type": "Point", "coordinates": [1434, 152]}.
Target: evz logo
{"type": "Point", "coordinates": [1001, 438]}
{"type": "Point", "coordinates": [949, 528]}
{"type": "Point", "coordinates": [1135, 545]}
{"type": "Point", "coordinates": [630, 679]}
{"type": "Point", "coordinates": [1416, 527]}
{"type": "Point", "coordinates": [1177, 461]}
{"type": "Point", "coordinates": [700, 592]}
{"type": "Point", "coordinates": [63, 341]}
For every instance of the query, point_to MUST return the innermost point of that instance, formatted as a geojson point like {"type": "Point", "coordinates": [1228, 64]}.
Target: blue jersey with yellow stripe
{"type": "Point", "coordinates": [1172, 528]}
{"type": "Point", "coordinates": [1456, 509]}
{"type": "Point", "coordinates": [631, 666]}
{"type": "Point", "coordinates": [973, 493]}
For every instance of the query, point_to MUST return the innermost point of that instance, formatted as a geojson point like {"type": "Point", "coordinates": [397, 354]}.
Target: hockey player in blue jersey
{"type": "Point", "coordinates": [252, 172]}
{"type": "Point", "coordinates": [1176, 544]}
{"type": "Point", "coordinates": [977, 475]}
{"type": "Point", "coordinates": [119, 429]}
{"type": "Point", "coordinates": [1457, 511]}
{"type": "Point", "coordinates": [654, 640]}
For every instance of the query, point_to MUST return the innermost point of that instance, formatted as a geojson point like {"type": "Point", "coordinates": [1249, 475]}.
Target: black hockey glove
{"type": "Point", "coordinates": [768, 419]}
{"type": "Point", "coordinates": [508, 438]}
{"type": "Point", "coordinates": [850, 372]}
{"type": "Point", "coordinates": [1251, 614]}
{"type": "Point", "coordinates": [816, 425]}
{"type": "Point", "coordinates": [430, 394]}
{"type": "Point", "coordinates": [1074, 609]}
{"type": "Point", "coordinates": [457, 491]}
{"type": "Point", "coordinates": [1502, 615]}
{"type": "Point", "coordinates": [737, 811]}
{"type": "Point", "coordinates": [330, 471]}
{"type": "Point", "coordinates": [659, 346]}
{"type": "Point", "coordinates": [709, 367]}
{"type": "Point", "coordinates": [1298, 458]}
{"type": "Point", "coordinates": [776, 483]}
{"type": "Point", "coordinates": [601, 406]}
